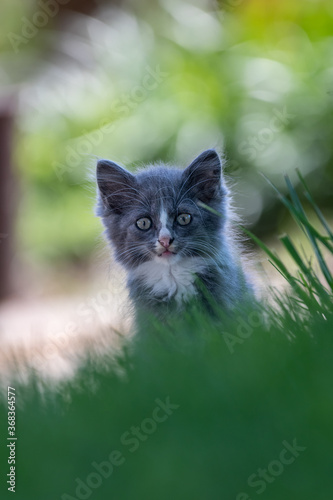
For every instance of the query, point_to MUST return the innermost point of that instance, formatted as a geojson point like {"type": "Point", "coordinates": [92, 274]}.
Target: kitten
{"type": "Point", "coordinates": [171, 245]}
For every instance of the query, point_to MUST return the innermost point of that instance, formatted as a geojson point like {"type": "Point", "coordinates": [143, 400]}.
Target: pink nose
{"type": "Point", "coordinates": [165, 241]}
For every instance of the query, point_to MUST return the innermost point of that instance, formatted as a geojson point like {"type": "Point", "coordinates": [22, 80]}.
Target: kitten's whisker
{"type": "Point", "coordinates": [205, 248]}
{"type": "Point", "coordinates": [130, 252]}
{"type": "Point", "coordinates": [209, 252]}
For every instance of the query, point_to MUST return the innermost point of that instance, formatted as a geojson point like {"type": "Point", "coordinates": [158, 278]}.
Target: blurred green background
{"type": "Point", "coordinates": [146, 81]}
{"type": "Point", "coordinates": [140, 82]}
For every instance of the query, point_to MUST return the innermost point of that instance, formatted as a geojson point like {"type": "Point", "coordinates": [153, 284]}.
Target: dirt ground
{"type": "Point", "coordinates": [52, 334]}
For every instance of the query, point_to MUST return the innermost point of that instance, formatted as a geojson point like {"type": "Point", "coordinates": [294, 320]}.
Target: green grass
{"type": "Point", "coordinates": [245, 388]}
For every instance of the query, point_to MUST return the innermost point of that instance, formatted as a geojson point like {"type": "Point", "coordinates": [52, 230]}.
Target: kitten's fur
{"type": "Point", "coordinates": [204, 261]}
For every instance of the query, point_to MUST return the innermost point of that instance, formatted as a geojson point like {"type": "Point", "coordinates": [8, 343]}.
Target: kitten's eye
{"type": "Point", "coordinates": [143, 223]}
{"type": "Point", "coordinates": [184, 219]}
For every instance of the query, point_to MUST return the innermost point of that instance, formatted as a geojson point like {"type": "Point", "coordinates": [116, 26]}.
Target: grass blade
{"type": "Point", "coordinates": [315, 206]}
{"type": "Point", "coordinates": [299, 217]}
{"type": "Point", "coordinates": [308, 228]}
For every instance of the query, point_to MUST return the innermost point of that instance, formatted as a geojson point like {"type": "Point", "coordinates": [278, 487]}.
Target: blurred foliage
{"type": "Point", "coordinates": [242, 388]}
{"type": "Point", "coordinates": [313, 283]}
{"type": "Point", "coordinates": [253, 78]}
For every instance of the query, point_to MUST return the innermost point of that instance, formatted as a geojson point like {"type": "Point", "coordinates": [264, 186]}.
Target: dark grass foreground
{"type": "Point", "coordinates": [194, 410]}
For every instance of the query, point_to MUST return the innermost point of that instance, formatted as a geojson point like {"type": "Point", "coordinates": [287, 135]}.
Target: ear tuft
{"type": "Point", "coordinates": [116, 185]}
{"type": "Point", "coordinates": [203, 177]}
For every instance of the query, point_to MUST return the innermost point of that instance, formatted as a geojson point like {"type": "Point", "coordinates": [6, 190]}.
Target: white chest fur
{"type": "Point", "coordinates": [170, 277]}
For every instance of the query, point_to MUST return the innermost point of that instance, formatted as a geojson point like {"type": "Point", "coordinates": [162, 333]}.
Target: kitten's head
{"type": "Point", "coordinates": [159, 214]}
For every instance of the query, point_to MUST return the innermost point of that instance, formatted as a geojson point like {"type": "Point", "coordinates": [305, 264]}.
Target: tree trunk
{"type": "Point", "coordinates": [7, 197]}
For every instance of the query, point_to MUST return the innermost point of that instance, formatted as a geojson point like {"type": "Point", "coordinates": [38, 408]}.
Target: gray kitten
{"type": "Point", "coordinates": [173, 248]}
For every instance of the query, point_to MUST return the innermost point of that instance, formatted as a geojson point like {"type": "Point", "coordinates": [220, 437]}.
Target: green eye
{"type": "Point", "coordinates": [143, 223]}
{"type": "Point", "coordinates": [184, 219]}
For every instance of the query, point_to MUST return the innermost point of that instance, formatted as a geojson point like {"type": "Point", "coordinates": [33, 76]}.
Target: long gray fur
{"type": "Point", "coordinates": [123, 198]}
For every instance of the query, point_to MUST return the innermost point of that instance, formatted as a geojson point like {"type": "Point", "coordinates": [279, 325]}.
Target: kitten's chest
{"type": "Point", "coordinates": [170, 280]}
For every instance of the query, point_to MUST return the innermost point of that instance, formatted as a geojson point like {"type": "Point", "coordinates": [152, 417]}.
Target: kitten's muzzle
{"type": "Point", "coordinates": [166, 251]}
{"type": "Point", "coordinates": [164, 246]}
{"type": "Point", "coordinates": [165, 241]}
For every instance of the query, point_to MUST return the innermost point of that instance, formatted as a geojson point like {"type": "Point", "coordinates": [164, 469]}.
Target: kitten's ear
{"type": "Point", "coordinates": [203, 178]}
{"type": "Point", "coordinates": [116, 185]}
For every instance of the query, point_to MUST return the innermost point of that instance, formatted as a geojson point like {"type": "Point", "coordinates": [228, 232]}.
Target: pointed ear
{"type": "Point", "coordinates": [116, 185]}
{"type": "Point", "coordinates": [203, 178]}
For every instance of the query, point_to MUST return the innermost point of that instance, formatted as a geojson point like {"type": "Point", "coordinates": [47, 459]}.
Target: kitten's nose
{"type": "Point", "coordinates": [166, 241]}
